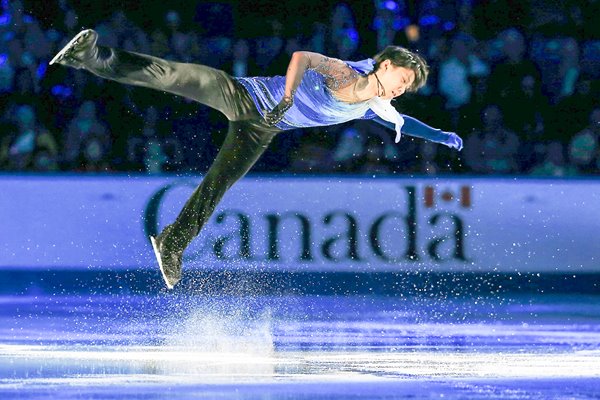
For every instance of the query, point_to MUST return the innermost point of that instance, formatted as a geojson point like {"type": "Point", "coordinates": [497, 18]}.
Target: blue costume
{"type": "Point", "coordinates": [315, 105]}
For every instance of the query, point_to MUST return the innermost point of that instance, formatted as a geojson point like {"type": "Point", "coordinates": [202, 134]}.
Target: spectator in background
{"type": "Point", "coordinates": [14, 50]}
{"type": "Point", "coordinates": [494, 16]}
{"type": "Point", "coordinates": [311, 157]}
{"type": "Point", "coordinates": [116, 30]}
{"type": "Point", "coordinates": [553, 163]}
{"type": "Point", "coordinates": [25, 89]}
{"type": "Point", "coordinates": [144, 152]}
{"type": "Point", "coordinates": [317, 40]}
{"type": "Point", "coordinates": [18, 20]}
{"type": "Point", "coordinates": [7, 75]}
{"type": "Point", "coordinates": [456, 72]}
{"type": "Point", "coordinates": [506, 78]}
{"type": "Point", "coordinates": [26, 86]}
{"type": "Point", "coordinates": [159, 43]}
{"type": "Point", "coordinates": [93, 155]}
{"type": "Point", "coordinates": [374, 161]}
{"type": "Point", "coordinates": [344, 35]}
{"type": "Point", "coordinates": [269, 46]}
{"type": "Point", "coordinates": [152, 153]}
{"type": "Point", "coordinates": [25, 47]}
{"type": "Point", "coordinates": [71, 23]}
{"type": "Point", "coordinates": [350, 148]}
{"type": "Point", "coordinates": [558, 60]}
{"type": "Point", "coordinates": [83, 131]}
{"type": "Point", "coordinates": [526, 115]}
{"type": "Point", "coordinates": [429, 164]}
{"type": "Point", "coordinates": [438, 16]}
{"type": "Point", "coordinates": [494, 148]}
{"type": "Point", "coordinates": [471, 113]}
{"type": "Point", "coordinates": [241, 63]}
{"type": "Point", "coordinates": [528, 109]}
{"type": "Point", "coordinates": [154, 157]}
{"type": "Point", "coordinates": [590, 29]}
{"type": "Point", "coordinates": [353, 144]}
{"type": "Point", "coordinates": [180, 43]}
{"type": "Point", "coordinates": [569, 67]}
{"type": "Point", "coordinates": [8, 129]}
{"type": "Point", "coordinates": [37, 46]}
{"type": "Point", "coordinates": [279, 63]}
{"type": "Point", "coordinates": [465, 20]}
{"type": "Point", "coordinates": [389, 18]}
{"type": "Point", "coordinates": [173, 151]}
{"type": "Point", "coordinates": [584, 148]}
{"type": "Point", "coordinates": [29, 146]}
{"type": "Point", "coordinates": [571, 113]}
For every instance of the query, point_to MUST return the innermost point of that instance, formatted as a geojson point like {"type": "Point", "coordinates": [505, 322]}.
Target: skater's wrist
{"type": "Point", "coordinates": [288, 96]}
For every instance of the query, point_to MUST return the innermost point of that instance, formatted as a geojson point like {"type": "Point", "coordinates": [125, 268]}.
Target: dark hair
{"type": "Point", "coordinates": [401, 57]}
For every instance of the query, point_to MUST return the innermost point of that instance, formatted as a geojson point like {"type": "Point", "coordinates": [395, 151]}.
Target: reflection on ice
{"type": "Point", "coordinates": [118, 344]}
{"type": "Point", "coordinates": [27, 362]}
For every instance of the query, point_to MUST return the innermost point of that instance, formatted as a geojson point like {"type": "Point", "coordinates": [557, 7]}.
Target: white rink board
{"type": "Point", "coordinates": [308, 224]}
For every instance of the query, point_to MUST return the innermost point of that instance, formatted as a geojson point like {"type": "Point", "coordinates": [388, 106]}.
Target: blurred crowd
{"type": "Point", "coordinates": [518, 80]}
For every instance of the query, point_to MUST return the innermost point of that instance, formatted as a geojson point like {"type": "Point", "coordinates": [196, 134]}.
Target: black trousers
{"type": "Point", "coordinates": [247, 138]}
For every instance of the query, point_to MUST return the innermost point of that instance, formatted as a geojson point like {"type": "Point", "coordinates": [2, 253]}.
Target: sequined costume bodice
{"type": "Point", "coordinates": [315, 103]}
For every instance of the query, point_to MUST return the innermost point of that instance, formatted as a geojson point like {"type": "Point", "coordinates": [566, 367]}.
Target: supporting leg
{"type": "Point", "coordinates": [244, 144]}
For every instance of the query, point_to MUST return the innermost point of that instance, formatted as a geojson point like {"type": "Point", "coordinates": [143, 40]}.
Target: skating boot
{"type": "Point", "coordinates": [81, 50]}
{"type": "Point", "coordinates": [168, 255]}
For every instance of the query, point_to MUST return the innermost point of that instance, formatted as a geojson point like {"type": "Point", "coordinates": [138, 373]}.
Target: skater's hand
{"type": "Point", "coordinates": [454, 141]}
{"type": "Point", "coordinates": [277, 113]}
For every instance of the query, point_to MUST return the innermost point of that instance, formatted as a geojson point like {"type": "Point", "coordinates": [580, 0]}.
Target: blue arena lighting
{"type": "Point", "coordinates": [61, 91]}
{"type": "Point", "coordinates": [448, 25]}
{"type": "Point", "coordinates": [41, 70]}
{"type": "Point", "coordinates": [352, 34]}
{"type": "Point", "coordinates": [401, 23]}
{"type": "Point", "coordinates": [391, 5]}
{"type": "Point", "coordinates": [427, 20]}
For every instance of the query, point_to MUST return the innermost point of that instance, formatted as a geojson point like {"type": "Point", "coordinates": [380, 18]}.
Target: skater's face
{"type": "Point", "coordinates": [395, 80]}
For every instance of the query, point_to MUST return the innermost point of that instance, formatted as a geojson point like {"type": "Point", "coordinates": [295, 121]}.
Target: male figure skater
{"type": "Point", "coordinates": [316, 91]}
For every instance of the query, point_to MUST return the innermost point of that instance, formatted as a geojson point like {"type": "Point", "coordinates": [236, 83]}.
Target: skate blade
{"type": "Point", "coordinates": [60, 54]}
{"type": "Point", "coordinates": [157, 254]}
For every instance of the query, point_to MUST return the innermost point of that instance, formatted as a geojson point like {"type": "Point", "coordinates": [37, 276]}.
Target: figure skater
{"type": "Point", "coordinates": [316, 91]}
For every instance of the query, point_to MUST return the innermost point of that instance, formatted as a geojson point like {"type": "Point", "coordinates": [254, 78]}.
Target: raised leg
{"type": "Point", "coordinates": [206, 85]}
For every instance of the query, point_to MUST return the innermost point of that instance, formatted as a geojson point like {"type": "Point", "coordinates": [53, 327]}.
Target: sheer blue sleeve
{"type": "Point", "coordinates": [416, 128]}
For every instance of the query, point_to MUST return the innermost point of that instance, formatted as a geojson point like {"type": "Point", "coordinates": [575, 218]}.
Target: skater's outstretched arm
{"type": "Point", "coordinates": [416, 128]}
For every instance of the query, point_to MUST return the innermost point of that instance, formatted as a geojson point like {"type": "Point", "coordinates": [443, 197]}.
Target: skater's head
{"type": "Point", "coordinates": [400, 70]}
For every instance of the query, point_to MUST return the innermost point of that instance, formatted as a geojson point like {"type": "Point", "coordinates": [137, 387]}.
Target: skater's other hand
{"type": "Point", "coordinates": [277, 113]}
{"type": "Point", "coordinates": [454, 141]}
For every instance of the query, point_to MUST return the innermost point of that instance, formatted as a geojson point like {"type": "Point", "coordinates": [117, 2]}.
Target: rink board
{"type": "Point", "coordinates": [309, 224]}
